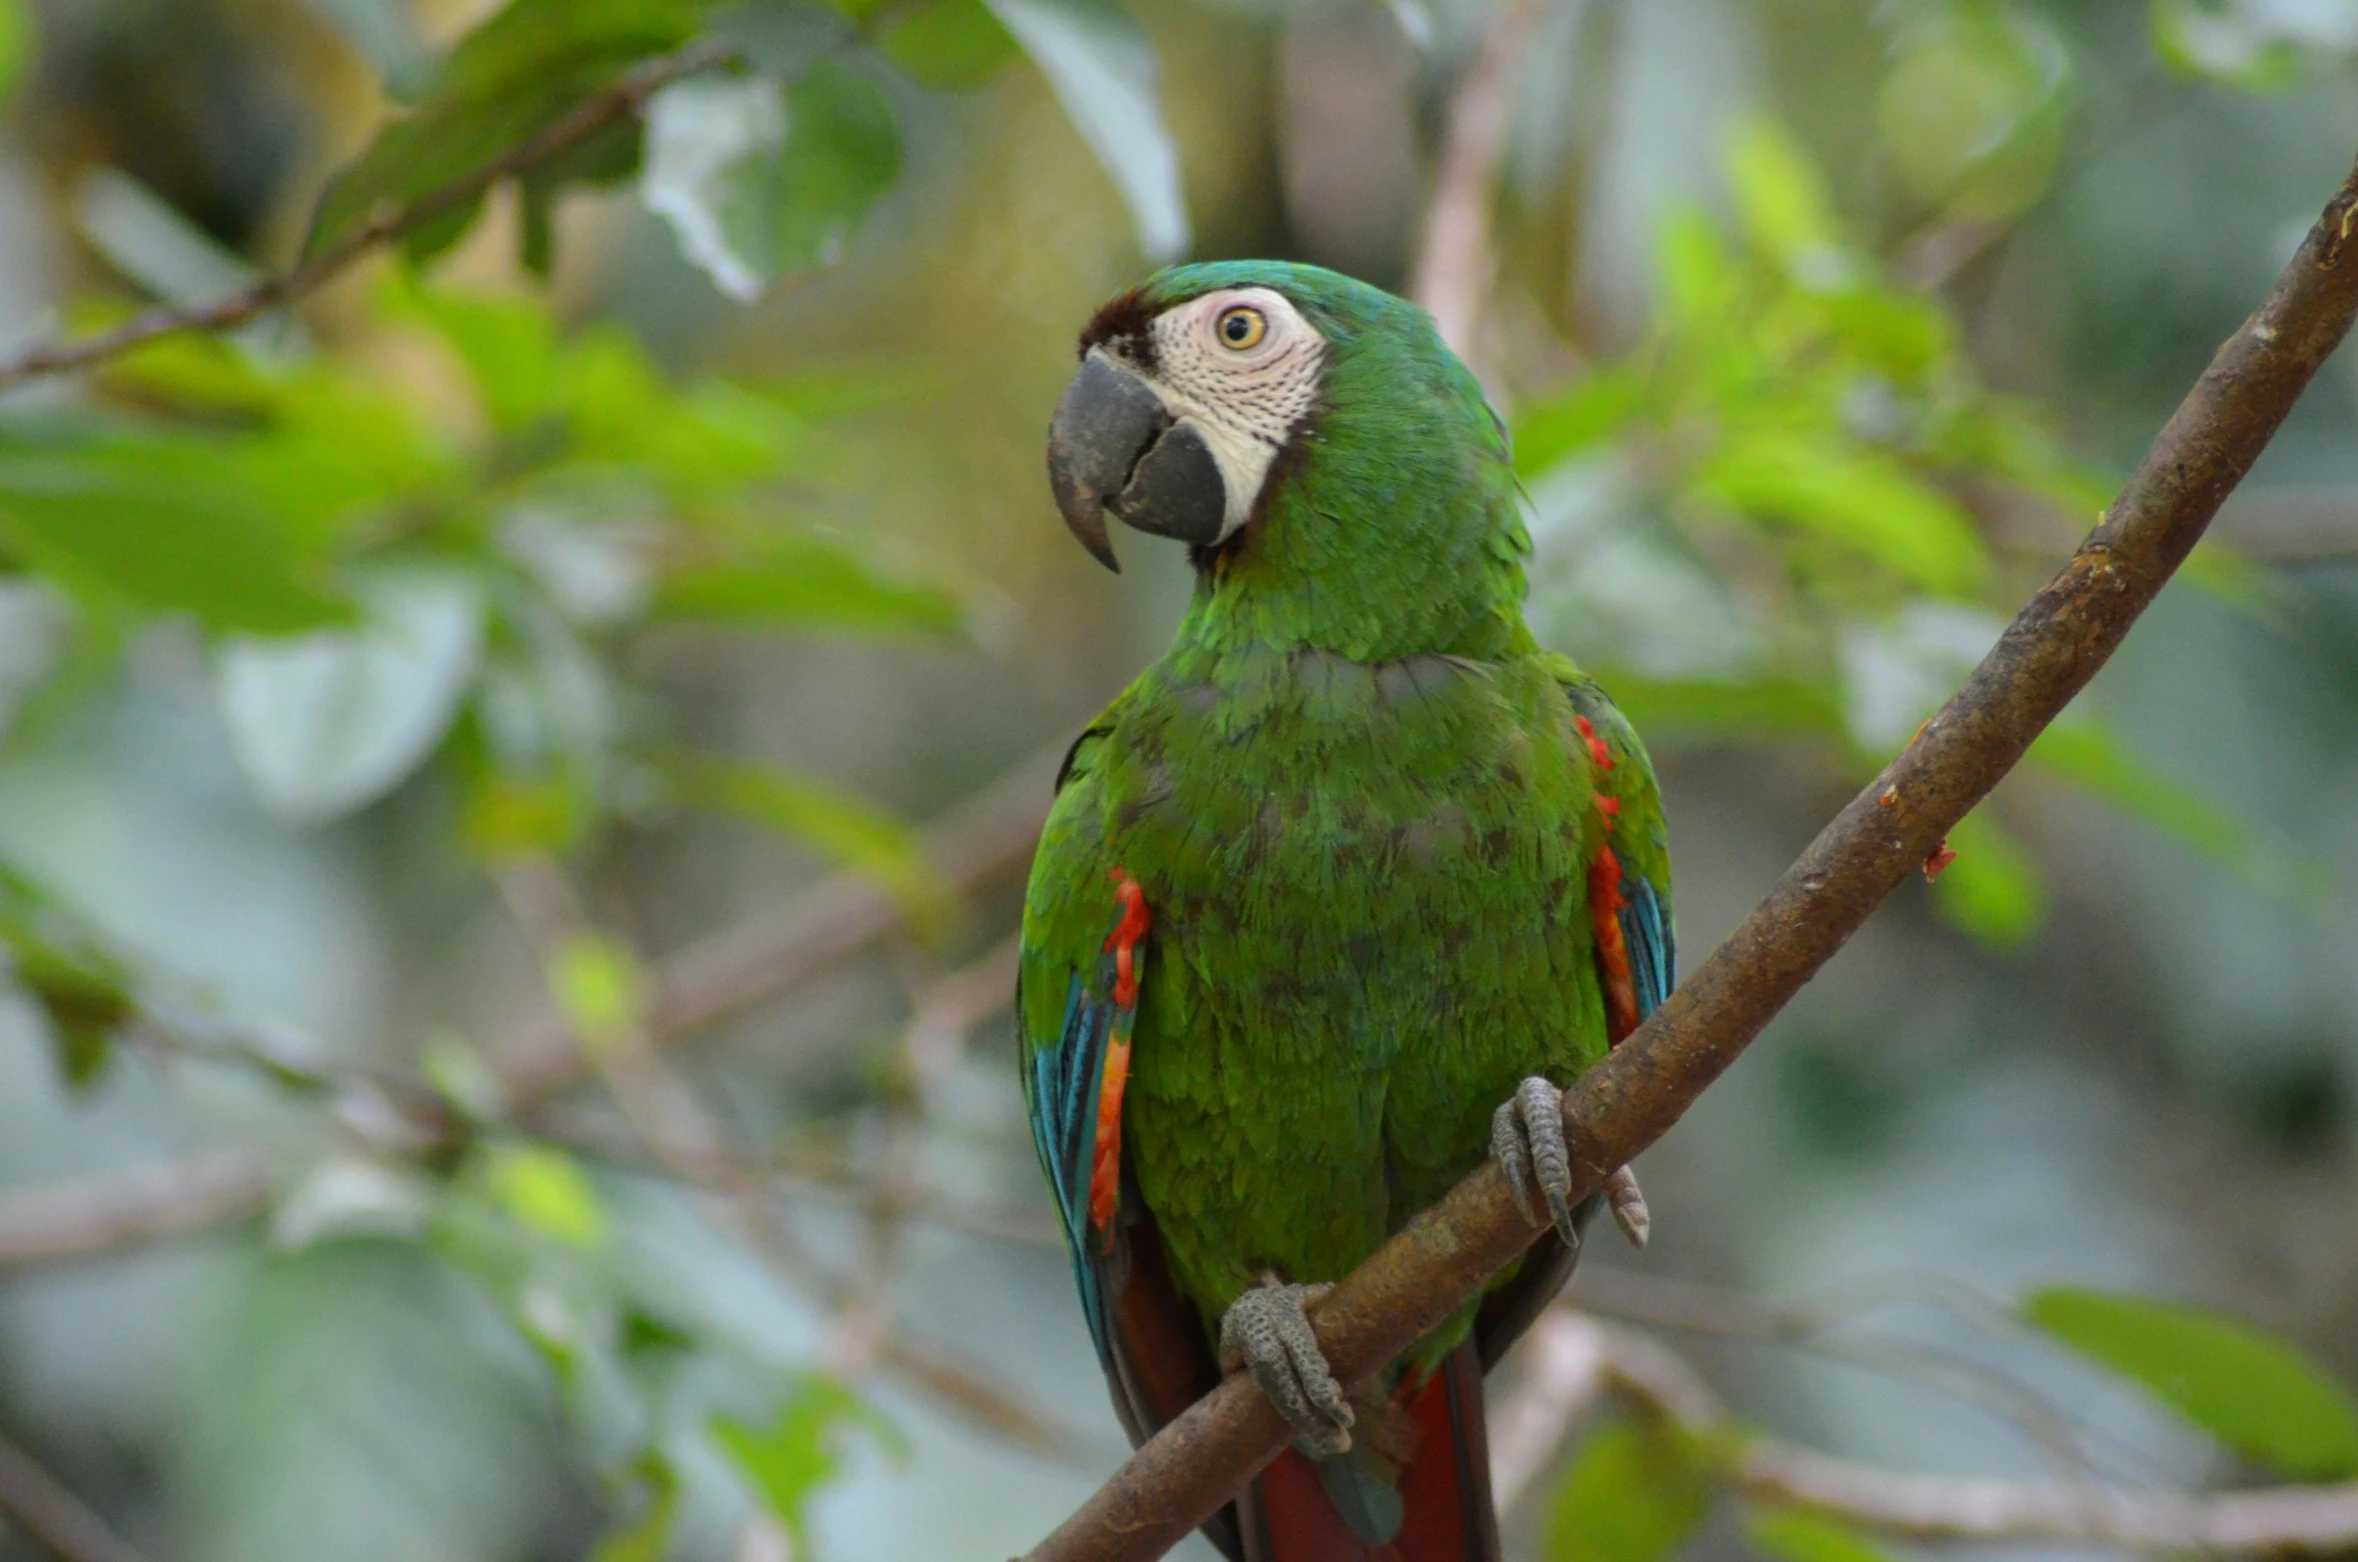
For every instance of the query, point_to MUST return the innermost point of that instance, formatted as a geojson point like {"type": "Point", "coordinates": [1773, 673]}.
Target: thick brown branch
{"type": "Point", "coordinates": [88, 1217]}
{"type": "Point", "coordinates": [584, 120]}
{"type": "Point", "coordinates": [2055, 645]}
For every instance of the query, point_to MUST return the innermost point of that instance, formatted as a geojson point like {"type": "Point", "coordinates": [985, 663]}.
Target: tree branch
{"type": "Point", "coordinates": [64, 1222]}
{"type": "Point", "coordinates": [60, 1522]}
{"type": "Point", "coordinates": [584, 120]}
{"type": "Point", "coordinates": [835, 919]}
{"type": "Point", "coordinates": [2055, 645]}
{"type": "Point", "coordinates": [1453, 263]}
{"type": "Point", "coordinates": [1574, 1359]}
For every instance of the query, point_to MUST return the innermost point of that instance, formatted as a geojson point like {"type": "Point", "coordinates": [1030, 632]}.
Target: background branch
{"type": "Point", "coordinates": [91, 1217]}
{"type": "Point", "coordinates": [57, 1520]}
{"type": "Point", "coordinates": [592, 115]}
{"type": "Point", "coordinates": [2054, 646]}
{"type": "Point", "coordinates": [1573, 1360]}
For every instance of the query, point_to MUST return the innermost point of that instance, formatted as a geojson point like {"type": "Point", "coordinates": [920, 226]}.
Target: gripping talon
{"type": "Point", "coordinates": [1628, 1203]}
{"type": "Point", "coordinates": [1527, 1137]}
{"type": "Point", "coordinates": [1267, 1332]}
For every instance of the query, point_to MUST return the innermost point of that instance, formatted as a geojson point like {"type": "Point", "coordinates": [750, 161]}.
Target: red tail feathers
{"type": "Point", "coordinates": [1445, 1490]}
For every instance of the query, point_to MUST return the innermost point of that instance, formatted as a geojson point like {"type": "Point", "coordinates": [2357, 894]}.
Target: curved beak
{"type": "Point", "coordinates": [1113, 449]}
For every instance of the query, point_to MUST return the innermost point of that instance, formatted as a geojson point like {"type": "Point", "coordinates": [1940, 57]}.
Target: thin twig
{"type": "Point", "coordinates": [679, 1133]}
{"type": "Point", "coordinates": [750, 963]}
{"type": "Point", "coordinates": [931, 1046]}
{"type": "Point", "coordinates": [41, 1505]}
{"type": "Point", "coordinates": [92, 1217]}
{"type": "Point", "coordinates": [1453, 265]}
{"type": "Point", "coordinates": [1574, 1357]}
{"type": "Point", "coordinates": [585, 119]}
{"type": "Point", "coordinates": [1628, 1101]}
{"type": "Point", "coordinates": [1701, 1309]}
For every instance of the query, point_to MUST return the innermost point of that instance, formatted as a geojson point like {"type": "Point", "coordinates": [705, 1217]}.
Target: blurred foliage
{"type": "Point", "coordinates": [2257, 1395]}
{"type": "Point", "coordinates": [435, 549]}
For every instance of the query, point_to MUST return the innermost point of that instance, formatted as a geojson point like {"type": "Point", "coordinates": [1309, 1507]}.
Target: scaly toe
{"type": "Point", "coordinates": [1527, 1137]}
{"type": "Point", "coordinates": [1267, 1332]}
{"type": "Point", "coordinates": [1628, 1203]}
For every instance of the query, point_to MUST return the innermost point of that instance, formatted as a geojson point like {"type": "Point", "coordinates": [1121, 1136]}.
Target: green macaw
{"type": "Point", "coordinates": [1352, 864]}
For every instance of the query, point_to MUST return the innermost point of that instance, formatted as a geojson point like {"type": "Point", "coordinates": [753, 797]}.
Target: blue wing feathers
{"type": "Point", "coordinates": [1653, 950]}
{"type": "Point", "coordinates": [1066, 1082]}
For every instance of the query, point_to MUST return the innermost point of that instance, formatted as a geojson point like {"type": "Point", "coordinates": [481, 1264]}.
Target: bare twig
{"type": "Point", "coordinates": [59, 1521]}
{"type": "Point", "coordinates": [587, 118]}
{"type": "Point", "coordinates": [930, 1049]}
{"type": "Point", "coordinates": [1627, 1102]}
{"type": "Point", "coordinates": [1822, 1328]}
{"type": "Point", "coordinates": [732, 971]}
{"type": "Point", "coordinates": [92, 1217]}
{"type": "Point", "coordinates": [1453, 263]}
{"type": "Point", "coordinates": [1573, 1358]}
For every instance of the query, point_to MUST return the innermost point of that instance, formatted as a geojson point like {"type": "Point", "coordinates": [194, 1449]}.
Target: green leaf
{"type": "Point", "coordinates": [16, 45]}
{"type": "Point", "coordinates": [1702, 709]}
{"type": "Point", "coordinates": [1595, 410]}
{"type": "Point", "coordinates": [1863, 499]}
{"type": "Point", "coordinates": [646, 1538]}
{"type": "Point", "coordinates": [2088, 756]}
{"type": "Point", "coordinates": [161, 526]}
{"type": "Point", "coordinates": [2236, 45]}
{"type": "Point", "coordinates": [1696, 273]}
{"type": "Point", "coordinates": [1633, 1494]}
{"type": "Point", "coordinates": [1102, 69]}
{"type": "Point", "coordinates": [950, 44]}
{"type": "Point", "coordinates": [1800, 1535]}
{"type": "Point", "coordinates": [1992, 890]}
{"type": "Point", "coordinates": [544, 1190]}
{"type": "Point", "coordinates": [847, 828]}
{"type": "Point", "coordinates": [1784, 202]}
{"type": "Point", "coordinates": [802, 1449]}
{"type": "Point", "coordinates": [329, 722]}
{"type": "Point", "coordinates": [1974, 106]}
{"type": "Point", "coordinates": [757, 182]}
{"type": "Point", "coordinates": [59, 961]}
{"type": "Point", "coordinates": [532, 63]}
{"type": "Point", "coordinates": [804, 582]}
{"type": "Point", "coordinates": [2258, 1395]}
{"type": "Point", "coordinates": [599, 989]}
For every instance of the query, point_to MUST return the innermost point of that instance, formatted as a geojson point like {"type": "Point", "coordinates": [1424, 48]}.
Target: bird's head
{"type": "Point", "coordinates": [1309, 436]}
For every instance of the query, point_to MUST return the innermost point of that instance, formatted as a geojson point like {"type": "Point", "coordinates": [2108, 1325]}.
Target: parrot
{"type": "Point", "coordinates": [1332, 902]}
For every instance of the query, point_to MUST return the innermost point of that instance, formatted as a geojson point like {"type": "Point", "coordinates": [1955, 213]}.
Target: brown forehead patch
{"type": "Point", "coordinates": [1124, 317]}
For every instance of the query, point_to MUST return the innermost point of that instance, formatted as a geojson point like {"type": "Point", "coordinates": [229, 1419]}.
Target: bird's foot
{"type": "Point", "coordinates": [1527, 1138]}
{"type": "Point", "coordinates": [1267, 1331]}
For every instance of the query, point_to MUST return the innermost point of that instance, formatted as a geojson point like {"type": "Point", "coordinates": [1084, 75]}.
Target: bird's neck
{"type": "Point", "coordinates": [1374, 590]}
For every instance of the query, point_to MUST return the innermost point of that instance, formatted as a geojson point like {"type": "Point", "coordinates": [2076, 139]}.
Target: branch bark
{"type": "Point", "coordinates": [60, 1522]}
{"type": "Point", "coordinates": [747, 964]}
{"type": "Point", "coordinates": [2054, 646]}
{"type": "Point", "coordinates": [584, 120]}
{"type": "Point", "coordinates": [1453, 262]}
{"type": "Point", "coordinates": [1574, 1359]}
{"type": "Point", "coordinates": [88, 1217]}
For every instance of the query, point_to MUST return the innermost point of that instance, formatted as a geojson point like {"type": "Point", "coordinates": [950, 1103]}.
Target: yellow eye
{"type": "Point", "coordinates": [1240, 329]}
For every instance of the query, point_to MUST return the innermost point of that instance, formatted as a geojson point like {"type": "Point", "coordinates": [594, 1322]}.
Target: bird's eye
{"type": "Point", "coordinates": [1240, 329]}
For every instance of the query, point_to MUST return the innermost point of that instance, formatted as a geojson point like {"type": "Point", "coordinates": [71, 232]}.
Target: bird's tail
{"type": "Point", "coordinates": [1434, 1507]}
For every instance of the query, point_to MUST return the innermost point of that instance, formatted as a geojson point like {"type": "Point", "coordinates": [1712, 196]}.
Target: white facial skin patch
{"type": "Point", "coordinates": [1243, 366]}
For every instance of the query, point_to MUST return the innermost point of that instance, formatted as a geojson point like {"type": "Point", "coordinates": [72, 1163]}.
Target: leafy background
{"type": "Point", "coordinates": [634, 558]}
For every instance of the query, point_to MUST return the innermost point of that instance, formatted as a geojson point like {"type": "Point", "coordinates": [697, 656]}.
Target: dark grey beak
{"type": "Point", "coordinates": [1112, 449]}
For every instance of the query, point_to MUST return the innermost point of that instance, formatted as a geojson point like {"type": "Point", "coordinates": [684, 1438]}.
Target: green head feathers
{"type": "Point", "coordinates": [1334, 467]}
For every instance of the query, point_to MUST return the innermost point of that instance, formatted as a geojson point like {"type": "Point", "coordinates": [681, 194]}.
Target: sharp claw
{"type": "Point", "coordinates": [1506, 1146]}
{"type": "Point", "coordinates": [1267, 1332]}
{"type": "Point", "coordinates": [1628, 1203]}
